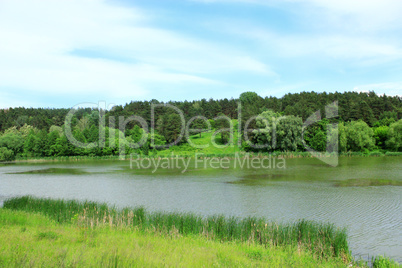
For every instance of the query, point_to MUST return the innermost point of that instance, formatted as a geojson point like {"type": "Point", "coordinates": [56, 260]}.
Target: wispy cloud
{"type": "Point", "coordinates": [64, 52]}
{"type": "Point", "coordinates": [42, 36]}
{"type": "Point", "coordinates": [328, 45]}
{"type": "Point", "coordinates": [364, 14]}
{"type": "Point", "coordinates": [389, 88]}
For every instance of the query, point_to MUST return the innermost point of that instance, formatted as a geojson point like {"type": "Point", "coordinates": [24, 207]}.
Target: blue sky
{"type": "Point", "coordinates": [62, 53]}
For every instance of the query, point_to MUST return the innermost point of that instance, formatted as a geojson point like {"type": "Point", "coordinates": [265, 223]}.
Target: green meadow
{"type": "Point", "coordinates": [59, 233]}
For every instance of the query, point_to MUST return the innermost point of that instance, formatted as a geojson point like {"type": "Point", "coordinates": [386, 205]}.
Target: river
{"type": "Point", "coordinates": [302, 188]}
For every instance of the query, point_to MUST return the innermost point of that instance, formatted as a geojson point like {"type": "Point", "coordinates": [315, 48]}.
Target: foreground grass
{"type": "Point", "coordinates": [62, 234]}
{"type": "Point", "coordinates": [35, 240]}
{"type": "Point", "coordinates": [321, 240]}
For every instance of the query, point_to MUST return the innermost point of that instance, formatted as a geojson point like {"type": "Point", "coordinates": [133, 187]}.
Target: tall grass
{"type": "Point", "coordinates": [384, 262]}
{"type": "Point", "coordinates": [322, 239]}
{"type": "Point", "coordinates": [34, 240]}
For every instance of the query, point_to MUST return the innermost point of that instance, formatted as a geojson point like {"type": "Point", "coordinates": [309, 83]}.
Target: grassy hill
{"type": "Point", "coordinates": [206, 141]}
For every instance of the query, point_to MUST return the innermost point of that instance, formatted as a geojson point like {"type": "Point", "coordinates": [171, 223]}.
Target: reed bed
{"type": "Point", "coordinates": [323, 239]}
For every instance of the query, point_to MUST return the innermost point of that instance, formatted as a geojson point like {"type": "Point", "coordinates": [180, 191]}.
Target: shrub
{"type": "Point", "coordinates": [6, 154]}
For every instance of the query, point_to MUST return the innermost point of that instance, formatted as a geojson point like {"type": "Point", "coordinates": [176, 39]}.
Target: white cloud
{"type": "Point", "coordinates": [388, 88]}
{"type": "Point", "coordinates": [329, 45]}
{"type": "Point", "coordinates": [39, 38]}
{"type": "Point", "coordinates": [327, 30]}
{"type": "Point", "coordinates": [7, 99]}
{"type": "Point", "coordinates": [365, 14]}
{"type": "Point", "coordinates": [83, 48]}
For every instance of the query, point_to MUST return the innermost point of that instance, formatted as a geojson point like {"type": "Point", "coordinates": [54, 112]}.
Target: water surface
{"type": "Point", "coordinates": [307, 189]}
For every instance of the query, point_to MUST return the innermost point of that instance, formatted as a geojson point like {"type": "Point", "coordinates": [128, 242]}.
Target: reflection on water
{"type": "Point", "coordinates": [71, 171]}
{"type": "Point", "coordinates": [305, 189]}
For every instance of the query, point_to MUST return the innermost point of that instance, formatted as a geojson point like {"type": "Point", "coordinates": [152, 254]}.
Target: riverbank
{"type": "Point", "coordinates": [36, 241]}
{"type": "Point", "coordinates": [45, 232]}
{"type": "Point", "coordinates": [200, 154]}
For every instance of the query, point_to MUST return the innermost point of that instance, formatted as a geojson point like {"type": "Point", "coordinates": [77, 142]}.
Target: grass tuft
{"type": "Point", "coordinates": [384, 262]}
{"type": "Point", "coordinates": [48, 235]}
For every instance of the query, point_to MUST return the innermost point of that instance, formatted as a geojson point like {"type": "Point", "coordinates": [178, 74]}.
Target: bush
{"type": "Point", "coordinates": [6, 154]}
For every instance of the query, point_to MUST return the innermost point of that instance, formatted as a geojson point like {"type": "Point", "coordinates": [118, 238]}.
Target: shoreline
{"type": "Point", "coordinates": [242, 155]}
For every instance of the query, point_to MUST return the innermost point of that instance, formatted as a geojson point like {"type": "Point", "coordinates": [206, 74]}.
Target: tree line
{"type": "Point", "coordinates": [369, 107]}
{"type": "Point", "coordinates": [366, 122]}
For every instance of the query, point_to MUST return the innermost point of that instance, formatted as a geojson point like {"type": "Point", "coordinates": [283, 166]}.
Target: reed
{"type": "Point", "coordinates": [34, 240]}
{"type": "Point", "coordinates": [323, 239]}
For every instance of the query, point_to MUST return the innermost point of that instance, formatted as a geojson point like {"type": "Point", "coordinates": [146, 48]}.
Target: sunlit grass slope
{"type": "Point", "coordinates": [205, 144]}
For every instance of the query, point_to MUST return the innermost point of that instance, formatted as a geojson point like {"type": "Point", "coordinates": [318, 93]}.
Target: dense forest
{"type": "Point", "coordinates": [366, 122]}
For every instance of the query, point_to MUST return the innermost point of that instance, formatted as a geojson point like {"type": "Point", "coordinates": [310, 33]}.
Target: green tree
{"type": "Point", "coordinates": [394, 141]}
{"type": "Point", "coordinates": [319, 141]}
{"type": "Point", "coordinates": [315, 135]}
{"type": "Point", "coordinates": [6, 154]}
{"type": "Point", "coordinates": [173, 127]}
{"type": "Point", "coordinates": [366, 114]}
{"type": "Point", "coordinates": [57, 129]}
{"type": "Point", "coordinates": [51, 142]}
{"type": "Point", "coordinates": [63, 147]}
{"type": "Point", "coordinates": [79, 136]}
{"type": "Point", "coordinates": [83, 123]}
{"type": "Point", "coordinates": [170, 126]}
{"type": "Point", "coordinates": [13, 130]}
{"type": "Point", "coordinates": [12, 141]}
{"type": "Point", "coordinates": [289, 132]}
{"type": "Point", "coordinates": [25, 130]}
{"type": "Point", "coordinates": [275, 132]}
{"type": "Point", "coordinates": [265, 131]}
{"type": "Point", "coordinates": [343, 140]}
{"type": "Point", "coordinates": [42, 143]}
{"type": "Point", "coordinates": [21, 120]}
{"type": "Point", "coordinates": [212, 122]}
{"type": "Point", "coordinates": [161, 125]}
{"type": "Point", "coordinates": [30, 145]}
{"type": "Point", "coordinates": [380, 136]}
{"type": "Point", "coordinates": [159, 140]}
{"type": "Point", "coordinates": [359, 136]}
{"type": "Point", "coordinates": [196, 109]}
{"type": "Point", "coordinates": [36, 144]}
{"type": "Point", "coordinates": [198, 125]}
{"type": "Point", "coordinates": [222, 126]}
{"type": "Point", "coordinates": [252, 105]}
